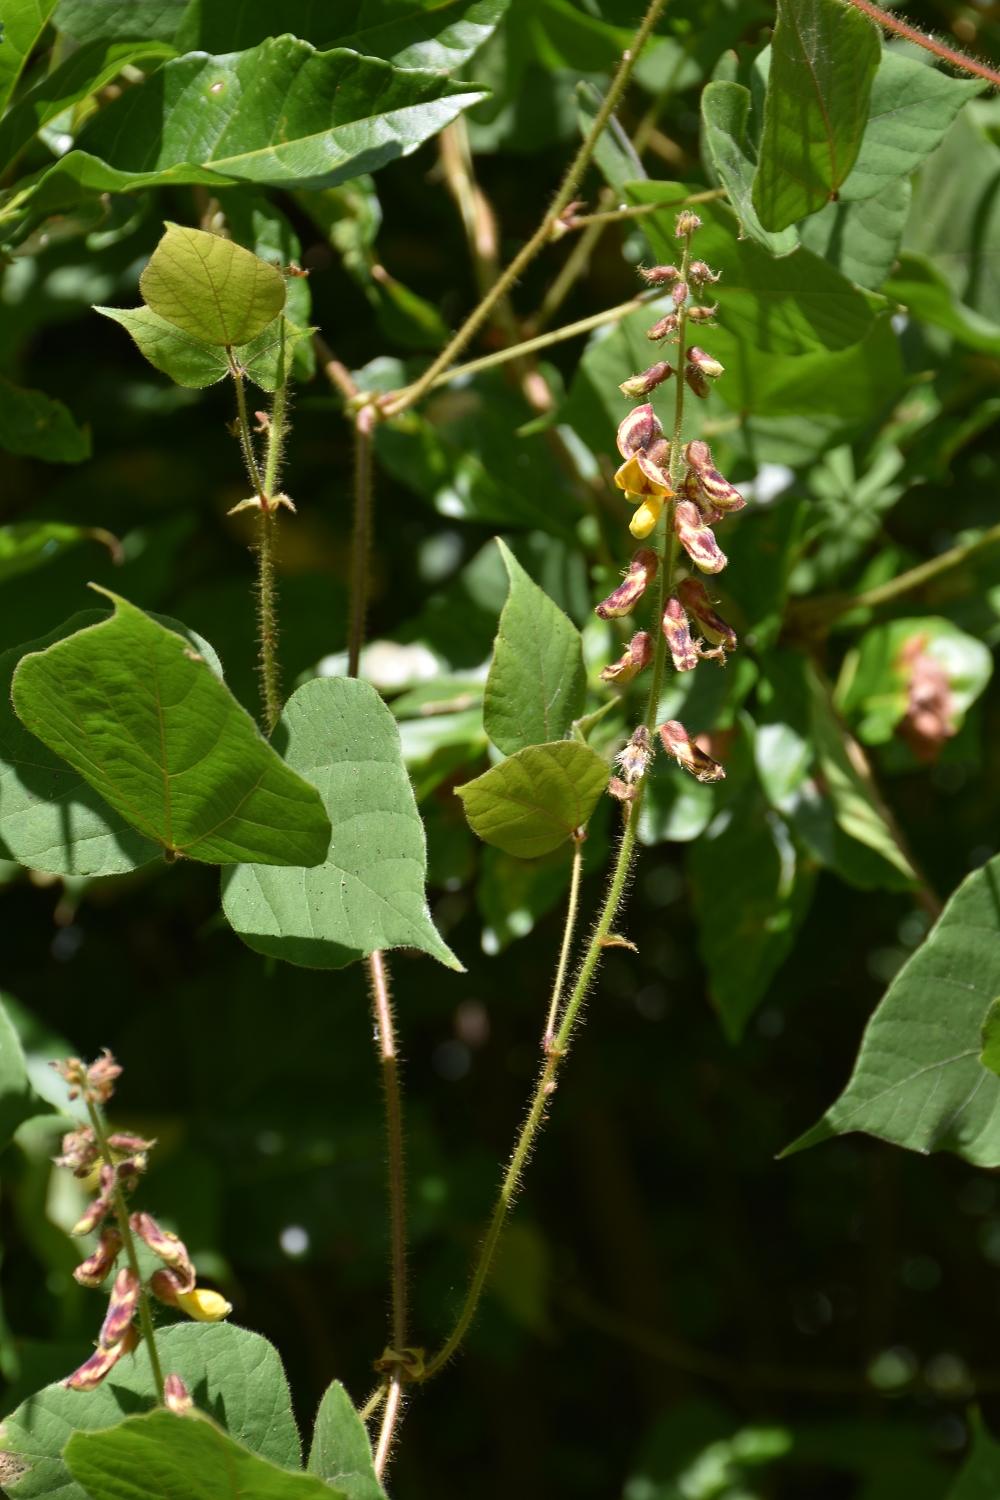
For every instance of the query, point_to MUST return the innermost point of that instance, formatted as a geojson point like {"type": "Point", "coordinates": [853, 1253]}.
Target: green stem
{"type": "Point", "coordinates": [275, 440]}
{"type": "Point", "coordinates": [125, 1229]}
{"type": "Point", "coordinates": [913, 578]}
{"type": "Point", "coordinates": [388, 1051]}
{"type": "Point", "coordinates": [267, 619]}
{"type": "Point", "coordinates": [243, 423]}
{"type": "Point", "coordinates": [567, 940]}
{"type": "Point", "coordinates": [542, 234]}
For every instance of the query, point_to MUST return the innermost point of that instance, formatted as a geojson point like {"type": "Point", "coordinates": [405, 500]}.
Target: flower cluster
{"type": "Point", "coordinates": [697, 496]}
{"type": "Point", "coordinates": [112, 1165]}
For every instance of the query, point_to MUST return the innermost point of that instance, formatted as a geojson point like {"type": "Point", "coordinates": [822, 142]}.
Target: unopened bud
{"type": "Point", "coordinates": [659, 275]}
{"type": "Point", "coordinates": [79, 1151]}
{"type": "Point", "coordinates": [702, 314]}
{"type": "Point", "coordinates": [645, 517]}
{"type": "Point", "coordinates": [124, 1295]}
{"type": "Point", "coordinates": [697, 539]}
{"type": "Point", "coordinates": [678, 636]}
{"type": "Point", "coordinates": [687, 223]}
{"type": "Point", "coordinates": [698, 455]}
{"type": "Point", "coordinates": [93, 1370]}
{"type": "Point", "coordinates": [101, 1205]}
{"type": "Point", "coordinates": [101, 1077]}
{"type": "Point", "coordinates": [663, 327]}
{"type": "Point", "coordinates": [204, 1306]}
{"type": "Point", "coordinates": [696, 381]}
{"type": "Point", "coordinates": [171, 1250]}
{"type": "Point", "coordinates": [641, 572]}
{"type": "Point", "coordinates": [94, 1270]}
{"type": "Point", "coordinates": [700, 273]}
{"type": "Point", "coordinates": [694, 597]}
{"type": "Point", "coordinates": [677, 743]}
{"type": "Point", "coordinates": [705, 363]}
{"type": "Point", "coordinates": [620, 789]}
{"type": "Point", "coordinates": [176, 1397]}
{"type": "Point", "coordinates": [636, 755]}
{"type": "Point", "coordinates": [641, 385]}
{"type": "Point", "coordinates": [638, 654]}
{"type": "Point", "coordinates": [679, 293]}
{"type": "Point", "coordinates": [133, 1144]}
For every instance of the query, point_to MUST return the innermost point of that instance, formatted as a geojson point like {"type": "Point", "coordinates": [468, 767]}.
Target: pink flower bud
{"type": "Point", "coordinates": [678, 636]}
{"type": "Point", "coordinates": [694, 597]}
{"type": "Point", "coordinates": [687, 223]}
{"type": "Point", "coordinates": [90, 1374]}
{"type": "Point", "coordinates": [101, 1077]}
{"type": "Point", "coordinates": [705, 363]}
{"type": "Point", "coordinates": [133, 1144]}
{"type": "Point", "coordinates": [659, 275]}
{"type": "Point", "coordinates": [703, 314]}
{"type": "Point", "coordinates": [666, 325]}
{"type": "Point", "coordinates": [101, 1205]}
{"type": "Point", "coordinates": [679, 293]}
{"type": "Point", "coordinates": [175, 1396]}
{"type": "Point", "coordinates": [171, 1250]}
{"type": "Point", "coordinates": [166, 1285]}
{"type": "Point", "coordinates": [688, 754]}
{"type": "Point", "coordinates": [124, 1295]}
{"type": "Point", "coordinates": [79, 1151]}
{"type": "Point", "coordinates": [697, 539]}
{"type": "Point", "coordinates": [74, 1071]}
{"type": "Point", "coordinates": [696, 381]}
{"type": "Point", "coordinates": [698, 455]}
{"type": "Point", "coordinates": [642, 385]}
{"type": "Point", "coordinates": [638, 654]}
{"type": "Point", "coordinates": [94, 1270]}
{"type": "Point", "coordinates": [619, 789]}
{"type": "Point", "coordinates": [720, 494]}
{"type": "Point", "coordinates": [701, 275]}
{"type": "Point", "coordinates": [642, 571]}
{"type": "Point", "coordinates": [636, 755]}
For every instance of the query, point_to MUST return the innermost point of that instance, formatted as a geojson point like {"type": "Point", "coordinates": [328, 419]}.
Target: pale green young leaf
{"type": "Point", "coordinates": [38, 426]}
{"type": "Point", "coordinates": [824, 55]}
{"type": "Point", "coordinates": [235, 1376]}
{"type": "Point", "coordinates": [862, 238]}
{"type": "Point", "coordinates": [23, 23]}
{"type": "Point", "coordinates": [925, 293]}
{"type": "Point", "coordinates": [26, 545]}
{"type": "Point", "coordinates": [267, 359]}
{"type": "Point", "coordinates": [211, 288]}
{"type": "Point", "coordinates": [176, 1458]}
{"type": "Point", "coordinates": [189, 361]}
{"type": "Point", "coordinates": [537, 681]}
{"type": "Point", "coordinates": [535, 800]}
{"type": "Point", "coordinates": [369, 892]}
{"type": "Point", "coordinates": [341, 1452]}
{"type": "Point", "coordinates": [725, 109]}
{"type": "Point", "coordinates": [918, 1080]}
{"type": "Point", "coordinates": [145, 721]}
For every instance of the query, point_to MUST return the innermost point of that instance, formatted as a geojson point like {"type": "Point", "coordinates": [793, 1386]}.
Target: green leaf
{"type": "Point", "coordinates": [176, 1458]}
{"type": "Point", "coordinates": [23, 23]}
{"type": "Point", "coordinates": [918, 1080]}
{"type": "Point", "coordinates": [861, 239]}
{"type": "Point", "coordinates": [725, 109]}
{"type": "Point", "coordinates": [824, 55]}
{"type": "Point", "coordinates": [35, 425]}
{"type": "Point", "coordinates": [438, 34]}
{"type": "Point", "coordinates": [27, 545]}
{"type": "Point", "coordinates": [136, 20]}
{"type": "Point", "coordinates": [85, 71]}
{"type": "Point", "coordinates": [925, 294]}
{"type": "Point", "coordinates": [537, 682]}
{"type": "Point", "coordinates": [341, 1453]}
{"type": "Point", "coordinates": [369, 893]}
{"type": "Point", "coordinates": [514, 894]}
{"type": "Point", "coordinates": [990, 1037]}
{"type": "Point", "coordinates": [533, 801]}
{"type": "Point", "coordinates": [18, 1100]}
{"type": "Point", "coordinates": [280, 113]}
{"type": "Point", "coordinates": [234, 1375]}
{"type": "Point", "coordinates": [876, 694]}
{"type": "Point", "coordinates": [143, 719]}
{"type": "Point", "coordinates": [857, 805]}
{"type": "Point", "coordinates": [189, 361]}
{"type": "Point", "coordinates": [211, 288]}
{"type": "Point", "coordinates": [912, 106]}
{"type": "Point", "coordinates": [979, 1477]}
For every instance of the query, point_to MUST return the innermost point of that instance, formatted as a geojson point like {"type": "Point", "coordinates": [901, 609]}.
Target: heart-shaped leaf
{"type": "Point", "coordinates": [369, 892]}
{"type": "Point", "coordinates": [211, 288]}
{"type": "Point", "coordinates": [144, 719]}
{"type": "Point", "coordinates": [192, 362]}
{"type": "Point", "coordinates": [535, 800]}
{"type": "Point", "coordinates": [341, 1453]}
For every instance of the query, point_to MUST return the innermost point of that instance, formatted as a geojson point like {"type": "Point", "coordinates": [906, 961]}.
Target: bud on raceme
{"type": "Point", "coordinates": [687, 223]}
{"type": "Point", "coordinates": [175, 1396]}
{"type": "Point", "coordinates": [94, 1270]}
{"type": "Point", "coordinates": [124, 1296]}
{"type": "Point", "coordinates": [637, 754]}
{"type": "Point", "coordinates": [641, 573]}
{"type": "Point", "coordinates": [678, 636]}
{"type": "Point", "coordinates": [659, 275]}
{"type": "Point", "coordinates": [688, 753]}
{"type": "Point", "coordinates": [696, 381]}
{"type": "Point", "coordinates": [701, 275]}
{"type": "Point", "coordinates": [665, 326]}
{"type": "Point", "coordinates": [638, 654]}
{"type": "Point", "coordinates": [705, 363]}
{"type": "Point", "coordinates": [679, 293]}
{"type": "Point", "coordinates": [641, 385]}
{"type": "Point", "coordinates": [694, 597]}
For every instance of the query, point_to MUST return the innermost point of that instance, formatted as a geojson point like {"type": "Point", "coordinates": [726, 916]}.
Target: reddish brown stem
{"type": "Point", "coordinates": [929, 43]}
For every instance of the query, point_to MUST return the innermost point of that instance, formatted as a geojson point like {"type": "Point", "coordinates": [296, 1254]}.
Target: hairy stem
{"type": "Point", "coordinates": [636, 210]}
{"type": "Point", "coordinates": [572, 908]}
{"type": "Point", "coordinates": [267, 619]}
{"type": "Point", "coordinates": [403, 399]}
{"type": "Point", "coordinates": [275, 439]}
{"type": "Point", "coordinates": [929, 43]}
{"type": "Point", "coordinates": [243, 424]}
{"type": "Point", "coordinates": [575, 266]}
{"type": "Point", "coordinates": [336, 373]}
{"type": "Point", "coordinates": [361, 540]}
{"type": "Point", "coordinates": [125, 1229]}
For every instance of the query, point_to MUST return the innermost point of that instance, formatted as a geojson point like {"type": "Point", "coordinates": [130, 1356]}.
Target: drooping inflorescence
{"type": "Point", "coordinates": [696, 497]}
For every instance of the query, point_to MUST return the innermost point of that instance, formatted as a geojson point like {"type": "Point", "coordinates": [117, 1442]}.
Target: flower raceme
{"type": "Point", "coordinates": [644, 473]}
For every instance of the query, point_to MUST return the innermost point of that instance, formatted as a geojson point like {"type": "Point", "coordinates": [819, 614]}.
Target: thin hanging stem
{"type": "Point", "coordinates": [567, 940]}
{"type": "Point", "coordinates": [403, 399]}
{"type": "Point", "coordinates": [246, 440]}
{"type": "Point", "coordinates": [361, 541]}
{"type": "Point", "coordinates": [125, 1230]}
{"type": "Point", "coordinates": [636, 210]}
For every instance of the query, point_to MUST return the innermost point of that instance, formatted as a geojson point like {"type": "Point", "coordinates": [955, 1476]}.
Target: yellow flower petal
{"type": "Point", "coordinates": [204, 1306]}
{"type": "Point", "coordinates": [646, 517]}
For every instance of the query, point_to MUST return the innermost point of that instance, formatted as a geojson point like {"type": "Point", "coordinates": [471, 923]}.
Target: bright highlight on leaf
{"type": "Point", "coordinates": [211, 288]}
{"type": "Point", "coordinates": [535, 800]}
{"type": "Point", "coordinates": [144, 719]}
{"type": "Point", "coordinates": [341, 1452]}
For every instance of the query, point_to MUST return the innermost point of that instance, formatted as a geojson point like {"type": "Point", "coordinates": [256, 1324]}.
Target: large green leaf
{"type": "Point", "coordinates": [211, 288]}
{"type": "Point", "coordinates": [34, 424]}
{"type": "Point", "coordinates": [192, 362]}
{"type": "Point", "coordinates": [143, 718]}
{"type": "Point", "coordinates": [280, 113]}
{"type": "Point", "coordinates": [439, 34]}
{"type": "Point", "coordinates": [177, 1458]}
{"type": "Point", "coordinates": [862, 238]}
{"type": "Point", "coordinates": [537, 682]}
{"type": "Point", "coordinates": [120, 20]}
{"type": "Point", "coordinates": [341, 1453]}
{"type": "Point", "coordinates": [725, 109]}
{"type": "Point", "coordinates": [824, 55]}
{"type": "Point", "coordinates": [533, 801]}
{"type": "Point", "coordinates": [23, 23]}
{"type": "Point", "coordinates": [918, 1080]}
{"type": "Point", "coordinates": [86, 70]}
{"type": "Point", "coordinates": [18, 1100]}
{"type": "Point", "coordinates": [923, 290]}
{"type": "Point", "coordinates": [233, 1374]}
{"type": "Point", "coordinates": [369, 893]}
